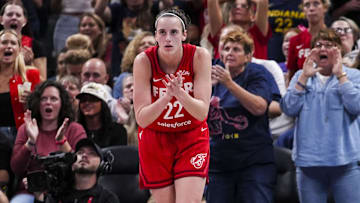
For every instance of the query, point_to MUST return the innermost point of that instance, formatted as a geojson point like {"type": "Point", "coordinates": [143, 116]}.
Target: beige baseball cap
{"type": "Point", "coordinates": [96, 89]}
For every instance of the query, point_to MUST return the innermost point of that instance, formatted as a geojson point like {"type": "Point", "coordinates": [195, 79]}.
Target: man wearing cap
{"type": "Point", "coordinates": [86, 171]}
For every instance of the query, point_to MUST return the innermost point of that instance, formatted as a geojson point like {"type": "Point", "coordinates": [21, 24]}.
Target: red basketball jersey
{"type": "Point", "coordinates": [174, 117]}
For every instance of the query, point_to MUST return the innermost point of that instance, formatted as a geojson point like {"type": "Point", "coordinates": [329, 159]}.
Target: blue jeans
{"type": "Point", "coordinates": [254, 184]}
{"type": "Point", "coordinates": [315, 183]}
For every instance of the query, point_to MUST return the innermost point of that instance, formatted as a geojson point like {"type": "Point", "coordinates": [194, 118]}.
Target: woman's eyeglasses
{"type": "Point", "coordinates": [340, 30]}
{"type": "Point", "coordinates": [327, 45]}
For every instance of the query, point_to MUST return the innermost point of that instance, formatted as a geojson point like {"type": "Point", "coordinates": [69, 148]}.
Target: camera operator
{"type": "Point", "coordinates": [86, 169]}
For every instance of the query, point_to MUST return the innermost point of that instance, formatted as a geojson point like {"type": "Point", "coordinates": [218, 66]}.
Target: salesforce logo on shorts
{"type": "Point", "coordinates": [174, 125]}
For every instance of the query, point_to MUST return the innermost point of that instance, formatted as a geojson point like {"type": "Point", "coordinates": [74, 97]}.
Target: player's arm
{"type": "Point", "coordinates": [145, 111]}
{"type": "Point", "coordinates": [198, 106]}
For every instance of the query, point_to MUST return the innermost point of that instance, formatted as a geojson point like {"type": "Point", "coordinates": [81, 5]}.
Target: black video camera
{"type": "Point", "coordinates": [56, 173]}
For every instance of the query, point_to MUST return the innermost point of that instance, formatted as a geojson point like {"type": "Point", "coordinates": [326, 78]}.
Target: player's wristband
{"type": "Point", "coordinates": [61, 142]}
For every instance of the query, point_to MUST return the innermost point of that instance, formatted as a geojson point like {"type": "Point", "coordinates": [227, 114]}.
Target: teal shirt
{"type": "Point", "coordinates": [327, 131]}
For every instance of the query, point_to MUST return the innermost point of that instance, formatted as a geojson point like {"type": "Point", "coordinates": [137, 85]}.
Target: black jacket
{"type": "Point", "coordinates": [114, 134]}
{"type": "Point", "coordinates": [96, 194]}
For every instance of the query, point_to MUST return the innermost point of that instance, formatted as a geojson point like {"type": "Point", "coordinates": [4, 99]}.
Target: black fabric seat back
{"type": "Point", "coordinates": [286, 189]}
{"type": "Point", "coordinates": [123, 179]}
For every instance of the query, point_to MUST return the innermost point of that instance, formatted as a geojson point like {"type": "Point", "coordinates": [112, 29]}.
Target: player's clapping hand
{"type": "Point", "coordinates": [173, 84]}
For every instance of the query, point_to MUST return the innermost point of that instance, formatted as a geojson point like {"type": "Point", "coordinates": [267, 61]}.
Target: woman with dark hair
{"type": "Point", "coordinates": [48, 127]}
{"type": "Point", "coordinates": [37, 98]}
{"type": "Point", "coordinates": [94, 114]}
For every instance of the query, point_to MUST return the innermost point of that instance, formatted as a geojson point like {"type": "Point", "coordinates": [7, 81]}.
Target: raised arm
{"type": "Point", "coordinates": [215, 16]}
{"type": "Point", "coordinates": [294, 99]}
{"type": "Point", "coordinates": [145, 111]}
{"type": "Point", "coordinates": [101, 9]}
{"type": "Point", "coordinates": [261, 16]}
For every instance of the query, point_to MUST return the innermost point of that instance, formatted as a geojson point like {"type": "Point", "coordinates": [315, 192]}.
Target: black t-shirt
{"type": "Point", "coordinates": [97, 194]}
{"type": "Point", "coordinates": [7, 115]}
{"type": "Point", "coordinates": [38, 49]}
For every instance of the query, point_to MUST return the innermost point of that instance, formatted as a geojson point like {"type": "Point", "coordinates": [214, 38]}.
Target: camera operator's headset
{"type": "Point", "coordinates": [105, 165]}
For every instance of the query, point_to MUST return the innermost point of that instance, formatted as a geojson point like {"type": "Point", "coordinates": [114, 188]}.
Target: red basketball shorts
{"type": "Point", "coordinates": [165, 157]}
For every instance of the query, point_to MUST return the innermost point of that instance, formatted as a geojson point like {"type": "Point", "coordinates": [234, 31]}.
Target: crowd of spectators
{"type": "Point", "coordinates": [66, 73]}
